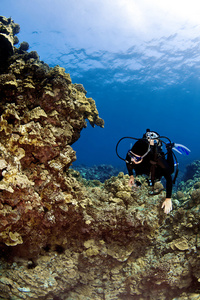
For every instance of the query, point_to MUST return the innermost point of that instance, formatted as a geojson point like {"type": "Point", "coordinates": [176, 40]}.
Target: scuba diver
{"type": "Point", "coordinates": [146, 157]}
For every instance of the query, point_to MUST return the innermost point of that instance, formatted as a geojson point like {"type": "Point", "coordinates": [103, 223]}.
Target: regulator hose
{"type": "Point", "coordinates": [125, 137]}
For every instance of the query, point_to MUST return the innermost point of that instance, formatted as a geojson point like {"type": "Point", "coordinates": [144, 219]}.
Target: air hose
{"type": "Point", "coordinates": [125, 137]}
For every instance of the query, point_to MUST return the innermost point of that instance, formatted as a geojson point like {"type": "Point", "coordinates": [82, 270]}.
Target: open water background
{"type": "Point", "coordinates": [141, 65]}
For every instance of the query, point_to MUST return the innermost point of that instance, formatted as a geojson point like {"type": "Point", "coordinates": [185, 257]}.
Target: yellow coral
{"type": "Point", "coordinates": [11, 238]}
{"type": "Point", "coordinates": [37, 113]}
{"type": "Point", "coordinates": [180, 244]}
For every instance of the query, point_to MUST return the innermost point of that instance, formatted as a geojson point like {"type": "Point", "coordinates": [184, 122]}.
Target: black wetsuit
{"type": "Point", "coordinates": [156, 164]}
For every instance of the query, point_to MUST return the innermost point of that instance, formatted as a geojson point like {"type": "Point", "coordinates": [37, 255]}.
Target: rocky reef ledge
{"type": "Point", "coordinates": [63, 239]}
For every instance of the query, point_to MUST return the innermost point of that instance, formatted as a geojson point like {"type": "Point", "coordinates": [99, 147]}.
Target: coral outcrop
{"type": "Point", "coordinates": [62, 237]}
{"type": "Point", "coordinates": [8, 38]}
{"type": "Point", "coordinates": [42, 115]}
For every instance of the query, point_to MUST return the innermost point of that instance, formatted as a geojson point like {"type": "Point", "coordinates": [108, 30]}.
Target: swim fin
{"type": "Point", "coordinates": [181, 149]}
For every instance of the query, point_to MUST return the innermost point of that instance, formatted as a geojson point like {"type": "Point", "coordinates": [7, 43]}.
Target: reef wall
{"type": "Point", "coordinates": [42, 115]}
{"type": "Point", "coordinates": [62, 237]}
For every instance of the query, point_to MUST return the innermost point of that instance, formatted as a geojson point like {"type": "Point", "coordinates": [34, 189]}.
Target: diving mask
{"type": "Point", "coordinates": [138, 158]}
{"type": "Point", "coordinates": [135, 158]}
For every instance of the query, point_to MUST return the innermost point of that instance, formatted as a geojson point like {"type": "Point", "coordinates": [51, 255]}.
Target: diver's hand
{"type": "Point", "coordinates": [167, 205]}
{"type": "Point", "coordinates": [131, 181]}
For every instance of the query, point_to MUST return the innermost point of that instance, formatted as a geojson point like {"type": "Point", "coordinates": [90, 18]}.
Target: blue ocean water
{"type": "Point", "coordinates": [139, 78]}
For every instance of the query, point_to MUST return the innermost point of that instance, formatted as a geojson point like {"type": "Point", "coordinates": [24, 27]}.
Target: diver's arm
{"type": "Point", "coordinates": [167, 204]}
{"type": "Point", "coordinates": [130, 168]}
{"type": "Point", "coordinates": [166, 171]}
{"type": "Point", "coordinates": [168, 178]}
{"type": "Point", "coordinates": [129, 165]}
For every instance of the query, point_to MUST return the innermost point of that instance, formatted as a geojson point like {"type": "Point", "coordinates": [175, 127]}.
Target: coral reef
{"type": "Point", "coordinates": [42, 115]}
{"type": "Point", "coordinates": [192, 171]}
{"type": "Point", "coordinates": [111, 243]}
{"type": "Point", "coordinates": [100, 172]}
{"type": "Point", "coordinates": [61, 238]}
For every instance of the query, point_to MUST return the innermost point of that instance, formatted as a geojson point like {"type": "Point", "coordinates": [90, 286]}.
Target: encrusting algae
{"type": "Point", "coordinates": [62, 237]}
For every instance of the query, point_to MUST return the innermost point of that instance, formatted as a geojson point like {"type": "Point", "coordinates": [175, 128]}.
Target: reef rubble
{"type": "Point", "coordinates": [63, 237]}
